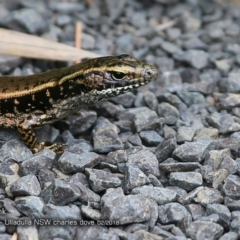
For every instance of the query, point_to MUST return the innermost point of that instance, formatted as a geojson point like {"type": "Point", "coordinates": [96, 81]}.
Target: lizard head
{"type": "Point", "coordinates": [111, 76]}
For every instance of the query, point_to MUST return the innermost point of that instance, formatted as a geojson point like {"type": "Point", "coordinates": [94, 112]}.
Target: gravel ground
{"type": "Point", "coordinates": [160, 163]}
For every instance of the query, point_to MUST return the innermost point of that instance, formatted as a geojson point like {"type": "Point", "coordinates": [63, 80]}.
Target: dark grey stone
{"type": "Point", "coordinates": [214, 157]}
{"type": "Point", "coordinates": [229, 236]}
{"type": "Point", "coordinates": [197, 58]}
{"type": "Point", "coordinates": [135, 140]}
{"type": "Point", "coordinates": [168, 112]}
{"type": "Point", "coordinates": [117, 156]}
{"type": "Point", "coordinates": [127, 209]}
{"type": "Point", "coordinates": [85, 193]}
{"type": "Point", "coordinates": [16, 150]}
{"type": "Point", "coordinates": [133, 177]}
{"type": "Point", "coordinates": [197, 211]}
{"type": "Point", "coordinates": [72, 212]}
{"type": "Point", "coordinates": [229, 100]}
{"type": "Point", "coordinates": [186, 180]}
{"type": "Point", "coordinates": [222, 211]}
{"type": "Point", "coordinates": [204, 86]}
{"type": "Point", "coordinates": [158, 194]}
{"type": "Point", "coordinates": [146, 161]}
{"type": "Point", "coordinates": [114, 12]}
{"type": "Point", "coordinates": [100, 180]}
{"type": "Point", "coordinates": [47, 133]}
{"type": "Point", "coordinates": [174, 213]}
{"type": "Point", "coordinates": [155, 181]}
{"type": "Point", "coordinates": [27, 232]}
{"type": "Point", "coordinates": [81, 123]}
{"type": "Point", "coordinates": [29, 20]}
{"type": "Point", "coordinates": [172, 81]}
{"type": "Point", "coordinates": [90, 232]}
{"type": "Point", "coordinates": [105, 136]}
{"type": "Point", "coordinates": [204, 230]}
{"type": "Point", "coordinates": [125, 100]}
{"type": "Point", "coordinates": [146, 120]}
{"type": "Point", "coordinates": [65, 232]}
{"type": "Point", "coordinates": [191, 98]}
{"type": "Point", "coordinates": [192, 151]}
{"type": "Point", "coordinates": [107, 109]}
{"type": "Point", "coordinates": [7, 63]}
{"type": "Point", "coordinates": [63, 192]}
{"type": "Point", "coordinates": [45, 177]}
{"type": "Point", "coordinates": [150, 138]}
{"type": "Point", "coordinates": [91, 213]}
{"type": "Point", "coordinates": [231, 187]}
{"type": "Point", "coordinates": [72, 163]}
{"type": "Point", "coordinates": [5, 236]}
{"type": "Point", "coordinates": [79, 146]}
{"type": "Point", "coordinates": [179, 166]}
{"type": "Point", "coordinates": [206, 134]}
{"type": "Point", "coordinates": [229, 164]}
{"type": "Point", "coordinates": [165, 148]}
{"type": "Point", "coordinates": [35, 164]}
{"type": "Point", "coordinates": [8, 206]}
{"type": "Point", "coordinates": [27, 185]}
{"type": "Point", "coordinates": [231, 83]}
{"type": "Point", "coordinates": [170, 47]}
{"type": "Point", "coordinates": [150, 100]}
{"type": "Point", "coordinates": [30, 206]}
{"type": "Point", "coordinates": [194, 43]}
{"type": "Point", "coordinates": [207, 196]}
{"type": "Point", "coordinates": [185, 134]}
{"type": "Point", "coordinates": [210, 218]}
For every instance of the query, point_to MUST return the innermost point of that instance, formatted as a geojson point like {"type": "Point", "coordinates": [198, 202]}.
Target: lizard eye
{"type": "Point", "coordinates": [118, 75]}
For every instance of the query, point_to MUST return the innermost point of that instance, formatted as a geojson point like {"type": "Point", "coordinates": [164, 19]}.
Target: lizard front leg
{"type": "Point", "coordinates": [25, 128]}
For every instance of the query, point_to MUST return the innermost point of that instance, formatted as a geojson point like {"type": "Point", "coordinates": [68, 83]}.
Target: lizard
{"type": "Point", "coordinates": [27, 102]}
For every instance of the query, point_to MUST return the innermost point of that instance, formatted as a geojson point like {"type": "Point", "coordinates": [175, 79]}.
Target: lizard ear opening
{"type": "Point", "coordinates": [117, 75]}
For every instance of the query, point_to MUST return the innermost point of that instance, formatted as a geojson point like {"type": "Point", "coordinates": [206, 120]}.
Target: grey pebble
{"type": "Point", "coordinates": [165, 148]}
{"type": "Point", "coordinates": [186, 180]}
{"type": "Point", "coordinates": [192, 151]}
{"type": "Point", "coordinates": [120, 210]}
{"type": "Point", "coordinates": [231, 186]}
{"type": "Point", "coordinates": [51, 211]}
{"type": "Point", "coordinates": [158, 194]}
{"type": "Point", "coordinates": [126, 100]}
{"type": "Point", "coordinates": [16, 150]}
{"type": "Point", "coordinates": [31, 206]}
{"type": "Point", "coordinates": [204, 230]}
{"type": "Point", "coordinates": [222, 211]}
{"type": "Point", "coordinates": [26, 185]}
{"type": "Point", "coordinates": [63, 192]}
{"type": "Point", "coordinates": [90, 232]}
{"type": "Point", "coordinates": [150, 138]}
{"type": "Point", "coordinates": [72, 162]}
{"type": "Point", "coordinates": [168, 112]}
{"type": "Point", "coordinates": [175, 166]}
{"type": "Point", "coordinates": [146, 161]}
{"type": "Point", "coordinates": [174, 213]}
{"type": "Point", "coordinates": [81, 123]}
{"type": "Point", "coordinates": [29, 19]}
{"type": "Point", "coordinates": [185, 134]}
{"type": "Point", "coordinates": [197, 58]}
{"type": "Point", "coordinates": [207, 196]}
{"type": "Point", "coordinates": [100, 180]}
{"type": "Point", "coordinates": [197, 211]}
{"type": "Point", "coordinates": [105, 136]}
{"type": "Point", "coordinates": [35, 164]}
{"type": "Point", "coordinates": [133, 177]}
{"type": "Point", "coordinates": [27, 232]}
